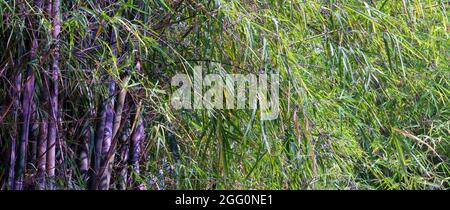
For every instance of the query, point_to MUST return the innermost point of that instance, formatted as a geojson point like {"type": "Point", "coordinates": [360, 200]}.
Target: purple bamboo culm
{"type": "Point", "coordinates": [53, 97]}
{"type": "Point", "coordinates": [135, 147]}
{"type": "Point", "coordinates": [123, 161]}
{"type": "Point", "coordinates": [41, 154]}
{"type": "Point", "coordinates": [12, 157]}
{"type": "Point", "coordinates": [27, 107]}
{"type": "Point", "coordinates": [98, 142]}
{"type": "Point", "coordinates": [107, 139]}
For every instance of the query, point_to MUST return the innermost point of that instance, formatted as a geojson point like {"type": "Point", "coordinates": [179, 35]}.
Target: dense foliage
{"type": "Point", "coordinates": [364, 94]}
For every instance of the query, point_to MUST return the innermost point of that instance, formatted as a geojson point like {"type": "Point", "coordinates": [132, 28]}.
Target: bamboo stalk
{"type": "Point", "coordinates": [53, 96]}
{"type": "Point", "coordinates": [26, 107]}
{"type": "Point", "coordinates": [110, 155]}
{"type": "Point", "coordinates": [98, 142]}
{"type": "Point", "coordinates": [12, 156]}
{"type": "Point", "coordinates": [136, 137]}
{"type": "Point", "coordinates": [44, 120]}
{"type": "Point", "coordinates": [41, 154]}
{"type": "Point", "coordinates": [123, 151]}
{"type": "Point", "coordinates": [107, 139]}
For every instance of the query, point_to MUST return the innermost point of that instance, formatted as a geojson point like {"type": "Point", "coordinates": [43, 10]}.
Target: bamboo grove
{"type": "Point", "coordinates": [85, 94]}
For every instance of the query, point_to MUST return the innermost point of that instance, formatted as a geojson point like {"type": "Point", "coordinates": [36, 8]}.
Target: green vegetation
{"type": "Point", "coordinates": [364, 91]}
